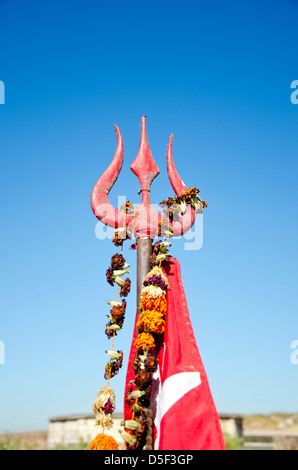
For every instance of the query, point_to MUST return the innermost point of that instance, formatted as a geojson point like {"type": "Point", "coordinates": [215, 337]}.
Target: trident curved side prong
{"type": "Point", "coordinates": [187, 220]}
{"type": "Point", "coordinates": [100, 203]}
{"type": "Point", "coordinates": [175, 180]}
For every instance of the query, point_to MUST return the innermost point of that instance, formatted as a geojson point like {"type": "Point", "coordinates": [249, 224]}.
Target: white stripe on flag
{"type": "Point", "coordinates": [174, 388]}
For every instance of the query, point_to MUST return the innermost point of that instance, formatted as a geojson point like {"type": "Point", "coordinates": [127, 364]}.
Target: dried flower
{"type": "Point", "coordinates": [116, 318]}
{"type": "Point", "coordinates": [172, 212]}
{"type": "Point", "coordinates": [164, 226]}
{"type": "Point", "coordinates": [105, 395]}
{"type": "Point", "coordinates": [153, 291]}
{"type": "Point", "coordinates": [127, 207]}
{"type": "Point", "coordinates": [188, 195]}
{"type": "Point", "coordinates": [143, 379]}
{"type": "Point", "coordinates": [151, 363]}
{"type": "Point", "coordinates": [157, 271]}
{"type": "Point", "coordinates": [118, 311]}
{"type": "Point", "coordinates": [146, 398]}
{"type": "Point", "coordinates": [110, 278]}
{"type": "Point", "coordinates": [121, 234]}
{"type": "Point", "coordinates": [167, 202]}
{"type": "Point", "coordinates": [128, 400]}
{"type": "Point", "coordinates": [152, 260]}
{"type": "Point", "coordinates": [125, 290]}
{"type": "Point", "coordinates": [109, 407]}
{"type": "Point", "coordinates": [173, 207]}
{"type": "Point", "coordinates": [113, 366]}
{"type": "Point", "coordinates": [104, 419]}
{"type": "Point", "coordinates": [155, 281]}
{"type": "Point", "coordinates": [136, 364]}
{"type": "Point", "coordinates": [110, 333]}
{"type": "Point", "coordinates": [116, 240]}
{"type": "Point", "coordinates": [155, 248]}
{"type": "Point", "coordinates": [117, 261]}
{"type": "Point", "coordinates": [141, 431]}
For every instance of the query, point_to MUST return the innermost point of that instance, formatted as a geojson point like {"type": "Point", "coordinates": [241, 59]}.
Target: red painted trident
{"type": "Point", "coordinates": [144, 223]}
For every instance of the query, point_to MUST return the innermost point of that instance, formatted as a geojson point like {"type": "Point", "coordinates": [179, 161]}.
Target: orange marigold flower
{"type": "Point", "coordinates": [103, 442]}
{"type": "Point", "coordinates": [151, 320]}
{"type": "Point", "coordinates": [144, 341]}
{"type": "Point", "coordinates": [159, 304]}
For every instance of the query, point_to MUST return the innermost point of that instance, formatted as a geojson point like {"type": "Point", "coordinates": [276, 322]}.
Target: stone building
{"type": "Point", "coordinates": [71, 430]}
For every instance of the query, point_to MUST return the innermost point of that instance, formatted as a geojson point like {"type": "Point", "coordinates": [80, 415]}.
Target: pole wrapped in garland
{"type": "Point", "coordinates": [151, 324]}
{"type": "Point", "coordinates": [138, 432]}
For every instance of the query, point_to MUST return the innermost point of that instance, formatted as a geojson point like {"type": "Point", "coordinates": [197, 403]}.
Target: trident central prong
{"type": "Point", "coordinates": [146, 170]}
{"type": "Point", "coordinates": [144, 166]}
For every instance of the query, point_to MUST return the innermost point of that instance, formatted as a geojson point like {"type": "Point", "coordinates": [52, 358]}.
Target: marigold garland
{"type": "Point", "coordinates": [149, 303]}
{"type": "Point", "coordinates": [144, 341]}
{"type": "Point", "coordinates": [151, 321]}
{"type": "Point", "coordinates": [103, 442]}
{"type": "Point", "coordinates": [151, 326]}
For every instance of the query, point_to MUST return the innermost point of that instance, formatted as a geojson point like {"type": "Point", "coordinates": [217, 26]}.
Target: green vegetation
{"type": "Point", "coordinates": [9, 442]}
{"type": "Point", "coordinates": [233, 443]}
{"type": "Point", "coordinates": [272, 422]}
{"type": "Point", "coordinates": [82, 445]}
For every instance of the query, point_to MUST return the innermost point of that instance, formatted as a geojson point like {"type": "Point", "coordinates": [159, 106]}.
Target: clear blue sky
{"type": "Point", "coordinates": [217, 75]}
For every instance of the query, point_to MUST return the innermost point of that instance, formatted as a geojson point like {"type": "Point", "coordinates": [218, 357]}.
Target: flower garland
{"type": "Point", "coordinates": [137, 431]}
{"type": "Point", "coordinates": [175, 206]}
{"type": "Point", "coordinates": [104, 404]}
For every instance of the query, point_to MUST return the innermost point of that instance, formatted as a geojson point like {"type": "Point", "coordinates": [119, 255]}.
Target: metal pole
{"type": "Point", "coordinates": [144, 251]}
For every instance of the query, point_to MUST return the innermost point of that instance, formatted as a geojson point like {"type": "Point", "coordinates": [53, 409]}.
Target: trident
{"type": "Point", "coordinates": [144, 223]}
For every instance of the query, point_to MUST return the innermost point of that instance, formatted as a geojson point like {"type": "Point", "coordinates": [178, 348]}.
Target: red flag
{"type": "Point", "coordinates": [184, 413]}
